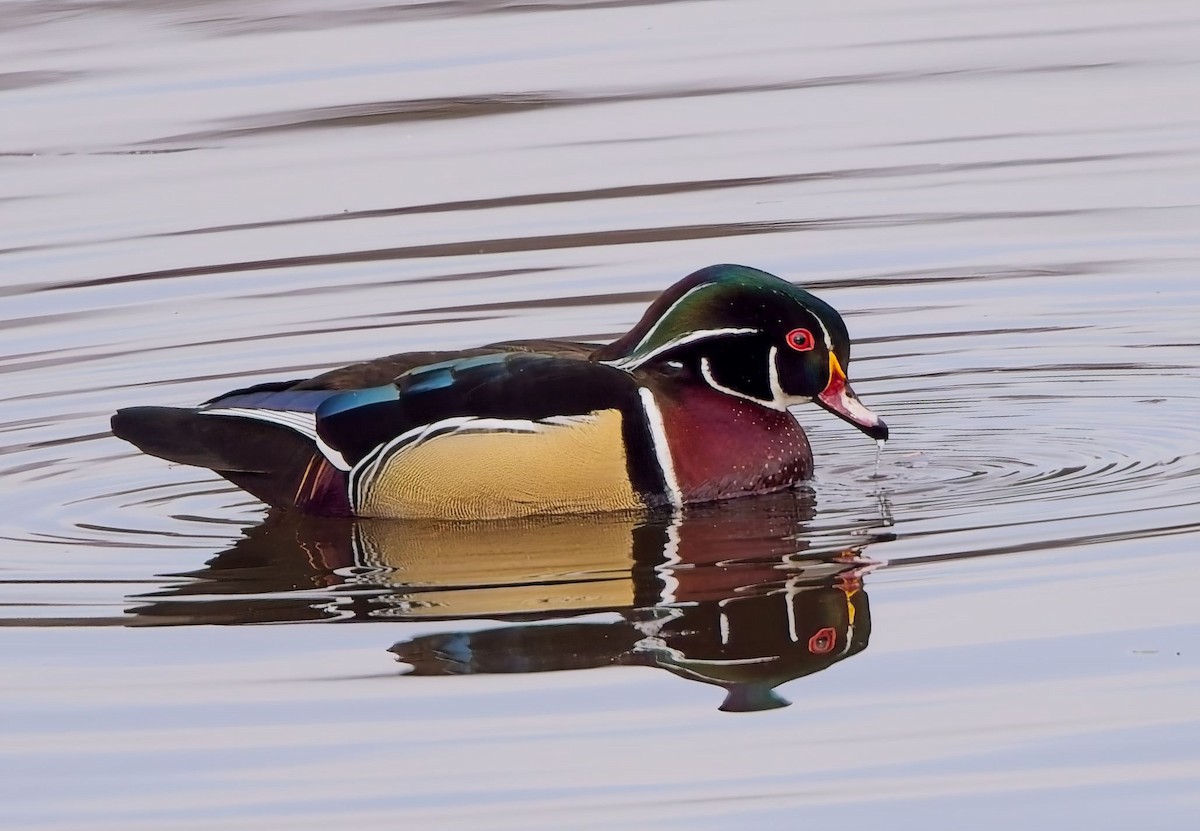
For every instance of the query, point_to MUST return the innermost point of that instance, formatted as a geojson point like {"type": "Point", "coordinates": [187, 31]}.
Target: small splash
{"type": "Point", "coordinates": [879, 443]}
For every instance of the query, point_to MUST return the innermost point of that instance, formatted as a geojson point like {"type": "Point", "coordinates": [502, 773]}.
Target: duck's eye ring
{"type": "Point", "coordinates": [801, 340]}
{"type": "Point", "coordinates": [823, 641]}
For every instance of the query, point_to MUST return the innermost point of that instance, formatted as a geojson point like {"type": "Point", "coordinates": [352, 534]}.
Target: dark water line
{"type": "Point", "coordinates": [1049, 544]}
{"type": "Point", "coordinates": [552, 242]}
{"type": "Point", "coordinates": [34, 78]}
{"type": "Point", "coordinates": [475, 106]}
{"type": "Point", "coordinates": [668, 189]}
{"type": "Point", "coordinates": [101, 356]}
{"type": "Point", "coordinates": [1124, 28]}
{"type": "Point", "coordinates": [626, 192]}
{"type": "Point", "coordinates": [61, 539]}
{"type": "Point", "coordinates": [61, 622]}
{"type": "Point", "coordinates": [341, 288]}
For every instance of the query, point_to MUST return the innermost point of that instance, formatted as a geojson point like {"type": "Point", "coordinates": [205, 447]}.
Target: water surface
{"type": "Point", "coordinates": [996, 627]}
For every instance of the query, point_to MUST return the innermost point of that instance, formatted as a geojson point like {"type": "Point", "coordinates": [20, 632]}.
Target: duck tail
{"type": "Point", "coordinates": [275, 463]}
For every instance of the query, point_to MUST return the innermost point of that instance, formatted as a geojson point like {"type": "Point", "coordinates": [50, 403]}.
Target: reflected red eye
{"type": "Point", "coordinates": [824, 640]}
{"type": "Point", "coordinates": [801, 340]}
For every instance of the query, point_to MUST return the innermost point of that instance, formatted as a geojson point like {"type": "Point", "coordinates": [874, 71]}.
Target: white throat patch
{"type": "Point", "coordinates": [779, 399]}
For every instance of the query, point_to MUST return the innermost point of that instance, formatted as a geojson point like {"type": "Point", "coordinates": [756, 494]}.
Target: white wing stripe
{"type": "Point", "coordinates": [303, 423]}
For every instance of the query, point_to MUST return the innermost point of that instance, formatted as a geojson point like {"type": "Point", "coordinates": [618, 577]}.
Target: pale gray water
{"type": "Point", "coordinates": [1002, 198]}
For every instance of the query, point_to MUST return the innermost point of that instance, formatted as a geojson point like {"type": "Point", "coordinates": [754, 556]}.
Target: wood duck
{"type": "Point", "coordinates": [691, 405]}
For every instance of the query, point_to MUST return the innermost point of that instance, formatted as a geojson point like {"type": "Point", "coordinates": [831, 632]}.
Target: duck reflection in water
{"type": "Point", "coordinates": [735, 594]}
{"type": "Point", "coordinates": [748, 643]}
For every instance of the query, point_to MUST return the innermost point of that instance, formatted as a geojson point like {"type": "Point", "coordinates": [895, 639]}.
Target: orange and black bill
{"type": "Point", "coordinates": [839, 399]}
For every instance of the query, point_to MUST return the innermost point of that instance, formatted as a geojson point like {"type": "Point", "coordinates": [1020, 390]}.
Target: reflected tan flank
{"type": "Point", "coordinates": [575, 467]}
{"type": "Point", "coordinates": [506, 567]}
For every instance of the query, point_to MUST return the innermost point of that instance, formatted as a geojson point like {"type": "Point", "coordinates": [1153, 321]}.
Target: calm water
{"type": "Point", "coordinates": [997, 626]}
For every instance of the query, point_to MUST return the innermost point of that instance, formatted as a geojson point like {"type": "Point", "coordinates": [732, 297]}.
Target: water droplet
{"type": "Point", "coordinates": [879, 443]}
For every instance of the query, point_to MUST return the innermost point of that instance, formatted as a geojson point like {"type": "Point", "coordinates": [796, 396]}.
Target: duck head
{"type": "Point", "coordinates": [751, 335]}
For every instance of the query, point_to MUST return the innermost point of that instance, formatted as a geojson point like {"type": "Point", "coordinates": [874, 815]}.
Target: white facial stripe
{"type": "Point", "coordinates": [700, 334]}
{"type": "Point", "coordinates": [706, 373]}
{"type": "Point", "coordinates": [779, 400]}
{"type": "Point", "coordinates": [303, 423]}
{"type": "Point", "coordinates": [825, 332]}
{"type": "Point", "coordinates": [780, 397]}
{"type": "Point", "coordinates": [662, 450]}
{"type": "Point", "coordinates": [667, 313]}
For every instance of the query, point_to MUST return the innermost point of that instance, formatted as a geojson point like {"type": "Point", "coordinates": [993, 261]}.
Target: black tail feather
{"type": "Point", "coordinates": [268, 460]}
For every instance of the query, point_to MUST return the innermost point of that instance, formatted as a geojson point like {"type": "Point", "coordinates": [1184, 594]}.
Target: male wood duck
{"type": "Point", "coordinates": [691, 405]}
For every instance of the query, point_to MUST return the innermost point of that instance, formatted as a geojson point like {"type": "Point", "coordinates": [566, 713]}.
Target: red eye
{"type": "Point", "coordinates": [824, 641]}
{"type": "Point", "coordinates": [801, 340]}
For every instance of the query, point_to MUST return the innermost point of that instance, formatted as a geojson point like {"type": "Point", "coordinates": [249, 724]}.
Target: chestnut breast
{"type": "Point", "coordinates": [723, 446]}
